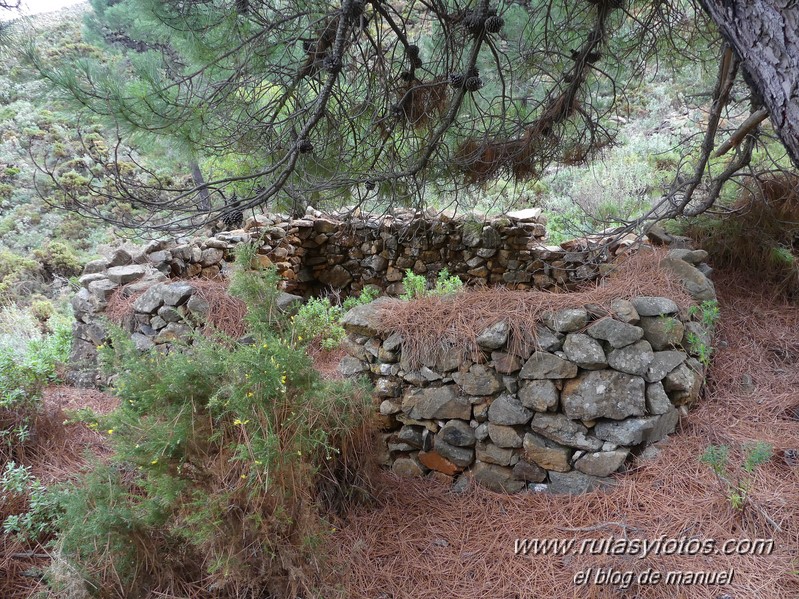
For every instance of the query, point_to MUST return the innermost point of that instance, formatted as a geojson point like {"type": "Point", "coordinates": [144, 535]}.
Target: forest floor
{"type": "Point", "coordinates": [418, 539]}
{"type": "Point", "coordinates": [421, 540]}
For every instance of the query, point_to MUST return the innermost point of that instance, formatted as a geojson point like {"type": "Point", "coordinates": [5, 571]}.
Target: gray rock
{"type": "Point", "coordinates": [683, 378]}
{"type": "Point", "coordinates": [95, 266]}
{"type": "Point", "coordinates": [546, 340]}
{"type": "Point", "coordinates": [617, 333]}
{"type": "Point", "coordinates": [480, 380]}
{"type": "Point", "coordinates": [624, 311]}
{"type": "Point", "coordinates": [389, 408]}
{"type": "Point", "coordinates": [142, 342]}
{"type": "Point", "coordinates": [543, 365]}
{"type": "Point", "coordinates": [632, 359]}
{"type": "Point", "coordinates": [160, 257]}
{"type": "Point", "coordinates": [539, 395]}
{"type": "Point", "coordinates": [505, 363]}
{"type": "Point", "coordinates": [337, 277]}
{"type": "Point", "coordinates": [657, 402]}
{"type": "Point", "coordinates": [494, 336]}
{"type": "Point", "coordinates": [457, 433]}
{"type": "Point", "coordinates": [629, 432]}
{"type": "Point", "coordinates": [691, 256]}
{"type": "Point", "coordinates": [603, 394]}
{"type": "Point", "coordinates": [350, 366]}
{"type": "Point", "coordinates": [663, 332]}
{"type": "Point", "coordinates": [493, 454]}
{"type": "Point", "coordinates": [211, 256]}
{"type": "Point", "coordinates": [529, 472]}
{"type": "Point", "coordinates": [654, 306]}
{"type": "Point", "coordinates": [386, 387]}
{"type": "Point", "coordinates": [567, 320]}
{"type": "Point", "coordinates": [530, 215]}
{"type": "Point", "coordinates": [601, 463]}
{"type": "Point", "coordinates": [365, 319]}
{"type": "Point", "coordinates": [86, 280]}
{"type": "Point", "coordinates": [567, 432]}
{"type": "Point", "coordinates": [173, 332]}
{"type": "Point", "coordinates": [412, 435]}
{"type": "Point", "coordinates": [696, 335]}
{"type": "Point", "coordinates": [198, 306]}
{"type": "Point", "coordinates": [546, 453]}
{"type": "Point", "coordinates": [429, 375]}
{"type": "Point", "coordinates": [102, 289]}
{"type": "Point", "coordinates": [696, 284]}
{"type": "Point", "coordinates": [507, 409]}
{"type": "Point", "coordinates": [288, 303]}
{"type": "Point", "coordinates": [120, 257]}
{"type": "Point", "coordinates": [663, 363]}
{"type": "Point", "coordinates": [584, 351]}
{"type": "Point", "coordinates": [505, 436]}
{"type": "Point", "coordinates": [576, 483]}
{"type": "Point", "coordinates": [460, 456]}
{"type": "Point", "coordinates": [481, 432]}
{"type": "Point", "coordinates": [393, 342]}
{"type": "Point", "coordinates": [126, 274]}
{"type": "Point", "coordinates": [169, 314]}
{"type": "Point", "coordinates": [664, 425]}
{"type": "Point", "coordinates": [157, 323]}
{"type": "Point", "coordinates": [150, 300]}
{"type": "Point", "coordinates": [496, 478]}
{"type": "Point", "coordinates": [436, 403]}
{"type": "Point", "coordinates": [407, 467]}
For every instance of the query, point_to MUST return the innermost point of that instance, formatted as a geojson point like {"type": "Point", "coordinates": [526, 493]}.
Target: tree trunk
{"type": "Point", "coordinates": [765, 35]}
{"type": "Point", "coordinates": [199, 181]}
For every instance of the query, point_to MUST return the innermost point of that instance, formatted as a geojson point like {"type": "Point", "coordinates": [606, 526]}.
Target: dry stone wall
{"type": "Point", "coordinates": [315, 254]}
{"type": "Point", "coordinates": [561, 415]}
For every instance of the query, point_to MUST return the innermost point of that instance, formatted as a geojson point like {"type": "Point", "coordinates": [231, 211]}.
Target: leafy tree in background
{"type": "Point", "coordinates": [376, 102]}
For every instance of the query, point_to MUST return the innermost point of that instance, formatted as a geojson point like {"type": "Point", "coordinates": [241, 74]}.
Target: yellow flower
{"type": "Point", "coordinates": [258, 462]}
{"type": "Point", "coordinates": [265, 346]}
{"type": "Point", "coordinates": [240, 422]}
{"type": "Point", "coordinates": [243, 476]}
{"type": "Point", "coordinates": [110, 431]}
{"type": "Point", "coordinates": [283, 380]}
{"type": "Point", "coordinates": [249, 394]}
{"type": "Point", "coordinates": [299, 337]}
{"type": "Point", "coordinates": [154, 462]}
{"type": "Point", "coordinates": [299, 452]}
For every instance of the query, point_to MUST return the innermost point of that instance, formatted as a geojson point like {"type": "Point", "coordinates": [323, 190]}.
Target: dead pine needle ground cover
{"type": "Point", "coordinates": [423, 541]}
{"type": "Point", "coordinates": [442, 324]}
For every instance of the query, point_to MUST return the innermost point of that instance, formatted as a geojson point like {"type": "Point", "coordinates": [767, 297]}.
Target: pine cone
{"type": "Point", "coordinates": [305, 146]}
{"type": "Point", "coordinates": [456, 80]}
{"type": "Point", "coordinates": [472, 84]}
{"type": "Point", "coordinates": [494, 24]}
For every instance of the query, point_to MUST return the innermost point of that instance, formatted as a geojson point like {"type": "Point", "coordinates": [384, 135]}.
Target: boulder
{"type": "Point", "coordinates": [662, 332]}
{"type": "Point", "coordinates": [654, 306]}
{"type": "Point", "coordinates": [601, 463]}
{"type": "Point", "coordinates": [494, 336]}
{"type": "Point", "coordinates": [632, 359]}
{"type": "Point", "coordinates": [663, 362]}
{"type": "Point", "coordinates": [696, 284]}
{"type": "Point", "coordinates": [365, 319]}
{"type": "Point", "coordinates": [123, 275]}
{"type": "Point", "coordinates": [567, 320]}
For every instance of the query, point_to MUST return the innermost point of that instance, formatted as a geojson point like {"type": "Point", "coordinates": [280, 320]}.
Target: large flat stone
{"type": "Point", "coordinates": [435, 403]}
{"type": "Point", "coordinates": [584, 351]}
{"type": "Point", "coordinates": [603, 394]}
{"type": "Point", "coordinates": [539, 395]}
{"type": "Point", "coordinates": [632, 359]}
{"type": "Point", "coordinates": [508, 410]}
{"type": "Point", "coordinates": [543, 365]}
{"type": "Point", "coordinates": [480, 380]}
{"type": "Point", "coordinates": [567, 432]}
{"type": "Point", "coordinates": [365, 319]}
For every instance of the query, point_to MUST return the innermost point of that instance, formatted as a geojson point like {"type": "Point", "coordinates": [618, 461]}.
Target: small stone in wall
{"type": "Point", "coordinates": [584, 351]}
{"type": "Point", "coordinates": [505, 363]}
{"type": "Point", "coordinates": [654, 306]}
{"type": "Point", "coordinates": [629, 432]}
{"type": "Point", "coordinates": [496, 478]}
{"type": "Point", "coordinates": [698, 285]}
{"type": "Point", "coordinates": [505, 436]}
{"type": "Point", "coordinates": [350, 366]}
{"type": "Point", "coordinates": [632, 359]}
{"type": "Point", "coordinates": [435, 403]}
{"type": "Point", "coordinates": [624, 311]}
{"type": "Point", "coordinates": [126, 274]}
{"type": "Point", "coordinates": [601, 463]}
{"type": "Point", "coordinates": [567, 320]}
{"type": "Point", "coordinates": [618, 334]}
{"type": "Point", "coordinates": [543, 365]}
{"type": "Point", "coordinates": [529, 472]}
{"type": "Point", "coordinates": [438, 463]}
{"type": "Point", "coordinates": [388, 408]}
{"type": "Point", "coordinates": [663, 332]}
{"type": "Point", "coordinates": [576, 483]}
{"type": "Point", "coordinates": [539, 395]}
{"type": "Point", "coordinates": [508, 410]}
{"type": "Point", "coordinates": [663, 362]}
{"type": "Point", "coordinates": [560, 429]}
{"type": "Point", "coordinates": [150, 300]}
{"type": "Point", "coordinates": [460, 456]}
{"type": "Point", "coordinates": [547, 454]}
{"type": "Point", "coordinates": [494, 454]}
{"type": "Point", "coordinates": [494, 336]}
{"type": "Point", "coordinates": [480, 380]}
{"type": "Point", "coordinates": [458, 433]}
{"type": "Point", "coordinates": [657, 402]}
{"type": "Point", "coordinates": [407, 467]}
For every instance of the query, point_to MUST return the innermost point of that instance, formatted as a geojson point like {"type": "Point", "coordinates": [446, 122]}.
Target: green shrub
{"type": "Point", "coordinates": [319, 320]}
{"type": "Point", "coordinates": [17, 484]}
{"type": "Point", "coordinates": [19, 276]}
{"type": "Point", "coordinates": [416, 285]}
{"type": "Point", "coordinates": [222, 451]}
{"type": "Point", "coordinates": [736, 486]}
{"type": "Point", "coordinates": [57, 258]}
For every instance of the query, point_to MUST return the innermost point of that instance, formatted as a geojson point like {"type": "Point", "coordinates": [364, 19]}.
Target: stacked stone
{"type": "Point", "coordinates": [562, 414]}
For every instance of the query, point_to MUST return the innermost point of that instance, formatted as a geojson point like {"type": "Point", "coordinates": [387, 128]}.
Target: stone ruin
{"type": "Point", "coordinates": [563, 415]}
